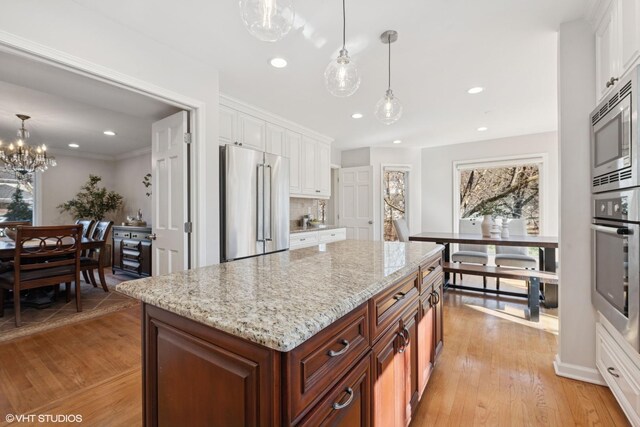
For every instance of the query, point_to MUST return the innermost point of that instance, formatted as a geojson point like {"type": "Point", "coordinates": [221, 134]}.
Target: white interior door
{"type": "Point", "coordinates": [356, 202]}
{"type": "Point", "coordinates": [170, 194]}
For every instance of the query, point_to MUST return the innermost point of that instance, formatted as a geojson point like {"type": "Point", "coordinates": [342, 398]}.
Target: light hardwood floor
{"type": "Point", "coordinates": [492, 372]}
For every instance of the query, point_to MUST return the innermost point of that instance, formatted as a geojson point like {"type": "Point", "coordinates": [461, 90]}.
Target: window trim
{"type": "Point", "coordinates": [395, 168]}
{"type": "Point", "coordinates": [540, 159]}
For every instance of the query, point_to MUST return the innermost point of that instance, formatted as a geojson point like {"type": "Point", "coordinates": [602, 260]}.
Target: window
{"type": "Point", "coordinates": [506, 191]}
{"type": "Point", "coordinates": [16, 200]}
{"type": "Point", "coordinates": [394, 194]}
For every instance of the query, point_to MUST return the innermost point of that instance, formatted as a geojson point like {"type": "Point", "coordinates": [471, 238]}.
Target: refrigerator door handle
{"type": "Point", "coordinates": [260, 205]}
{"type": "Point", "coordinates": [267, 201]}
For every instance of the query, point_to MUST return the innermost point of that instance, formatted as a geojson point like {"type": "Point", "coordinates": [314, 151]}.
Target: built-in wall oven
{"type": "Point", "coordinates": [614, 141]}
{"type": "Point", "coordinates": [616, 255]}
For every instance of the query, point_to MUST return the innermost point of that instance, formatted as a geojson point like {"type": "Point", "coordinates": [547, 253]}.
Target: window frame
{"type": "Point", "coordinates": [395, 168]}
{"type": "Point", "coordinates": [541, 160]}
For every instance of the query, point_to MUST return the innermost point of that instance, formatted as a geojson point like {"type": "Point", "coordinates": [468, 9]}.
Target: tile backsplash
{"type": "Point", "coordinates": [298, 207]}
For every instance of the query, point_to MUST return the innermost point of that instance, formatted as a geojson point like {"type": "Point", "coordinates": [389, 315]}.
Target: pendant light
{"type": "Point", "coordinates": [267, 20]}
{"type": "Point", "coordinates": [341, 75]}
{"type": "Point", "coordinates": [388, 108]}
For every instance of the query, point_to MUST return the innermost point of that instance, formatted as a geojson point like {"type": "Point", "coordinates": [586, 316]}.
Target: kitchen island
{"type": "Point", "coordinates": [344, 333]}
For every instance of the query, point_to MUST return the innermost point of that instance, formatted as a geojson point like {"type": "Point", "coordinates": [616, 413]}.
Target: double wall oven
{"type": "Point", "coordinates": [616, 209]}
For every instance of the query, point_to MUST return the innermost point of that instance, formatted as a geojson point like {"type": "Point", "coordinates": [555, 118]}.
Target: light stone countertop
{"type": "Point", "coordinates": [283, 299]}
{"type": "Point", "coordinates": [299, 229]}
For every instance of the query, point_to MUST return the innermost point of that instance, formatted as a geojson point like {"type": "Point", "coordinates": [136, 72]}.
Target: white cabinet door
{"type": "Point", "coordinates": [293, 150]}
{"type": "Point", "coordinates": [252, 131]}
{"type": "Point", "coordinates": [275, 139]}
{"type": "Point", "coordinates": [323, 171]}
{"type": "Point", "coordinates": [606, 50]}
{"type": "Point", "coordinates": [629, 32]}
{"type": "Point", "coordinates": [309, 186]}
{"type": "Point", "coordinates": [228, 123]}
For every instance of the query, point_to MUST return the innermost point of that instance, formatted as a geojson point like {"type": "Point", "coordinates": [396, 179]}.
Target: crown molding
{"type": "Point", "coordinates": [595, 9]}
{"type": "Point", "coordinates": [133, 153]}
{"type": "Point", "coordinates": [79, 154]}
{"type": "Point", "coordinates": [242, 106]}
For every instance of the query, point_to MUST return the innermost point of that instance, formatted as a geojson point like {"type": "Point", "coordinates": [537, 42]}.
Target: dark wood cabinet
{"type": "Point", "coordinates": [131, 250]}
{"type": "Point", "coordinates": [348, 404]}
{"type": "Point", "coordinates": [438, 318]}
{"type": "Point", "coordinates": [426, 342]}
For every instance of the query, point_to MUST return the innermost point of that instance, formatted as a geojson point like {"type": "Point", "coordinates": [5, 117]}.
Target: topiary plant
{"type": "Point", "coordinates": [92, 202]}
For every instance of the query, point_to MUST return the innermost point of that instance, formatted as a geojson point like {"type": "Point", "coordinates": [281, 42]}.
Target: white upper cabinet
{"type": "Point", "coordinates": [293, 150]}
{"type": "Point", "coordinates": [617, 37]}
{"type": "Point", "coordinates": [252, 131]}
{"type": "Point", "coordinates": [228, 124]}
{"type": "Point", "coordinates": [309, 153]}
{"type": "Point", "coordinates": [323, 169]}
{"type": "Point", "coordinates": [275, 139]}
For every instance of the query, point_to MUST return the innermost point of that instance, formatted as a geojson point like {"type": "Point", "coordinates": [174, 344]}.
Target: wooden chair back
{"type": "Point", "coordinates": [47, 255]}
{"type": "Point", "coordinates": [87, 226]}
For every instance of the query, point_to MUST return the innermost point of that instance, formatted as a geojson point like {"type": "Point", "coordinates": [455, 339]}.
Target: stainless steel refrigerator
{"type": "Point", "coordinates": [254, 202]}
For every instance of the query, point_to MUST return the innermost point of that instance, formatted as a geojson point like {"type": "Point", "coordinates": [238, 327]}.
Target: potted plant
{"type": "Point", "coordinates": [92, 202]}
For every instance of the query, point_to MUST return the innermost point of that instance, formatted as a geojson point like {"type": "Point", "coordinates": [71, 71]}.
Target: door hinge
{"type": "Point", "coordinates": [187, 138]}
{"type": "Point", "coordinates": [338, 216]}
{"type": "Point", "coordinates": [188, 227]}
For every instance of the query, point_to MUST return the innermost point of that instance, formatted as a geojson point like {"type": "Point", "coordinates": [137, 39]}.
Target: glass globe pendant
{"type": "Point", "coordinates": [341, 76]}
{"type": "Point", "coordinates": [267, 20]}
{"type": "Point", "coordinates": [388, 108]}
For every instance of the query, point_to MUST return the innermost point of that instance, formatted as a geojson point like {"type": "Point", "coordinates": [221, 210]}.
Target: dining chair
{"type": "Point", "coordinates": [91, 261]}
{"type": "Point", "coordinates": [471, 254]}
{"type": "Point", "coordinates": [401, 229]}
{"type": "Point", "coordinates": [44, 256]}
{"type": "Point", "coordinates": [514, 256]}
{"type": "Point", "coordinates": [87, 226]}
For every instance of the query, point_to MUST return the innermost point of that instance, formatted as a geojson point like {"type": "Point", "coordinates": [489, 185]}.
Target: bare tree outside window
{"type": "Point", "coordinates": [505, 192]}
{"type": "Point", "coordinates": [395, 201]}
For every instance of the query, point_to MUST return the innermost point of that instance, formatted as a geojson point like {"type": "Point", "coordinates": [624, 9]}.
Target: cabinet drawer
{"type": "Point", "coordinates": [312, 366]}
{"type": "Point", "coordinates": [327, 236]}
{"type": "Point", "coordinates": [301, 240]}
{"type": "Point", "coordinates": [121, 234]}
{"type": "Point", "coordinates": [142, 235]}
{"type": "Point", "coordinates": [428, 270]}
{"type": "Point", "coordinates": [387, 306]}
{"type": "Point", "coordinates": [617, 374]}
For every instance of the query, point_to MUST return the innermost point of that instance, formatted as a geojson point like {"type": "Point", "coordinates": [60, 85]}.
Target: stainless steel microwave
{"type": "Point", "coordinates": [614, 139]}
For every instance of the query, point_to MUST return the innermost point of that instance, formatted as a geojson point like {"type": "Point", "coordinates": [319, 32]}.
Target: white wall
{"type": "Point", "coordinates": [397, 157]}
{"type": "Point", "coordinates": [128, 175]}
{"type": "Point", "coordinates": [576, 80]}
{"type": "Point", "coordinates": [356, 157]}
{"type": "Point", "coordinates": [437, 175]}
{"type": "Point", "coordinates": [61, 183]}
{"type": "Point", "coordinates": [83, 36]}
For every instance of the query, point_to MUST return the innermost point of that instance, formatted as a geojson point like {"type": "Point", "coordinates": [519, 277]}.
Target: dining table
{"type": "Point", "coordinates": [40, 298]}
{"type": "Point", "coordinates": [546, 245]}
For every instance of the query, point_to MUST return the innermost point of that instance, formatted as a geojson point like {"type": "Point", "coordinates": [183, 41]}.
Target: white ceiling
{"type": "Point", "coordinates": [444, 48]}
{"type": "Point", "coordinates": [69, 108]}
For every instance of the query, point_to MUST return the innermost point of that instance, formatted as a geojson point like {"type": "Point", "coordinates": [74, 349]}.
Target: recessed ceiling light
{"type": "Point", "coordinates": [278, 62]}
{"type": "Point", "coordinates": [74, 145]}
{"type": "Point", "coordinates": [482, 128]}
{"type": "Point", "coordinates": [109, 133]}
{"type": "Point", "coordinates": [397, 141]}
{"type": "Point", "coordinates": [475, 90]}
{"type": "Point", "coordinates": [357, 115]}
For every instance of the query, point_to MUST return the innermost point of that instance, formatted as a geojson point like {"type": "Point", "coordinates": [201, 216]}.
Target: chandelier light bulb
{"type": "Point", "coordinates": [44, 147]}
{"type": "Point", "coordinates": [11, 147]}
{"type": "Point", "coordinates": [267, 20]}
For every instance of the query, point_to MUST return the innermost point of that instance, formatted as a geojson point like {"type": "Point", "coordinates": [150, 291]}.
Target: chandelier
{"type": "Point", "coordinates": [22, 159]}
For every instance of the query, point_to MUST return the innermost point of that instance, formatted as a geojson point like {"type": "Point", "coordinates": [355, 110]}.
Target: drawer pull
{"type": "Point", "coordinates": [431, 268]}
{"type": "Point", "coordinates": [302, 240]}
{"type": "Point", "coordinates": [338, 406]}
{"type": "Point", "coordinates": [610, 370]}
{"type": "Point", "coordinates": [403, 346]}
{"type": "Point", "coordinates": [346, 345]}
{"type": "Point", "coordinates": [333, 235]}
{"type": "Point", "coordinates": [435, 296]}
{"type": "Point", "coordinates": [406, 336]}
{"type": "Point", "coordinates": [399, 296]}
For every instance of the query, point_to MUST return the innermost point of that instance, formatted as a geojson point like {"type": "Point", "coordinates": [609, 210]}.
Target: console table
{"type": "Point", "coordinates": [131, 250]}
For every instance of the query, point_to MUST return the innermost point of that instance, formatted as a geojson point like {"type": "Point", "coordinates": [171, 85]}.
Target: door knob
{"type": "Point", "coordinates": [152, 236]}
{"type": "Point", "coordinates": [370, 222]}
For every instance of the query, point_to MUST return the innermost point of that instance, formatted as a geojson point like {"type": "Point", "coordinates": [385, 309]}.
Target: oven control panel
{"type": "Point", "coordinates": [613, 208]}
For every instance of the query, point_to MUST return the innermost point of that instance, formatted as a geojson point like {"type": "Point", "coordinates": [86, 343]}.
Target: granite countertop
{"type": "Point", "coordinates": [281, 300]}
{"type": "Point", "coordinates": [299, 229]}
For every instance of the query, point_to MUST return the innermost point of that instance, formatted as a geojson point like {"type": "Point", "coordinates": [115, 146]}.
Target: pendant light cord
{"type": "Point", "coordinates": [344, 26]}
{"type": "Point", "coordinates": [389, 40]}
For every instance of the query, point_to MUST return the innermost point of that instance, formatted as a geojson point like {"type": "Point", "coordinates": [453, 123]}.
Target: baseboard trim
{"type": "Point", "coordinates": [577, 372]}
